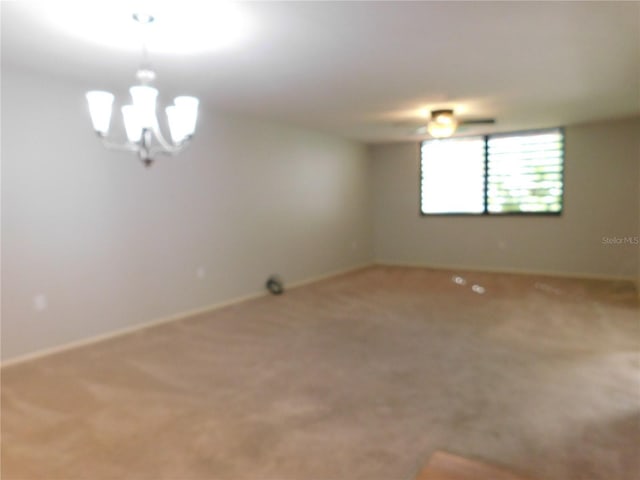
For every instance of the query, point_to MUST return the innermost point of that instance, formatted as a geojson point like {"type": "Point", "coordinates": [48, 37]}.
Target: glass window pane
{"type": "Point", "coordinates": [525, 172]}
{"type": "Point", "coordinates": [453, 176]}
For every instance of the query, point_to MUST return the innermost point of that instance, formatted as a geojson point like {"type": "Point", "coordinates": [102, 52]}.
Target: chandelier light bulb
{"type": "Point", "coordinates": [144, 100]}
{"type": "Point", "coordinates": [182, 117]}
{"type": "Point", "coordinates": [188, 108]}
{"type": "Point", "coordinates": [132, 124]}
{"type": "Point", "coordinates": [100, 106]}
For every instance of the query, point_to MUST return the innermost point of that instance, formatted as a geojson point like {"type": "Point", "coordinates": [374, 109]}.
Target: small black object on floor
{"type": "Point", "coordinates": [275, 285]}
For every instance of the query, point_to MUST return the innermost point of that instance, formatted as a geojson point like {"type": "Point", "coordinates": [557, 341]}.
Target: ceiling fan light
{"type": "Point", "coordinates": [444, 119]}
{"type": "Point", "coordinates": [442, 130]}
{"type": "Point", "coordinates": [444, 116]}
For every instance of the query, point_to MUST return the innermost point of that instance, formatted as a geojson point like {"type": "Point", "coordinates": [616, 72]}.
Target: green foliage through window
{"type": "Point", "coordinates": [495, 174]}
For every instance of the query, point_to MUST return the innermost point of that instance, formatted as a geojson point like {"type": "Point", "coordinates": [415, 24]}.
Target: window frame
{"type": "Point", "coordinates": [486, 211]}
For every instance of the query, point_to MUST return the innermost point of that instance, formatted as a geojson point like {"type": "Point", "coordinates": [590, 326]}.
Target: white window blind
{"type": "Point", "coordinates": [525, 172]}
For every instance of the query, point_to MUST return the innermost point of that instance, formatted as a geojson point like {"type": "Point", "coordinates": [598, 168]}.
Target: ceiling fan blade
{"type": "Point", "coordinates": [411, 123]}
{"type": "Point", "coordinates": [422, 123]}
{"type": "Point", "coordinates": [477, 121]}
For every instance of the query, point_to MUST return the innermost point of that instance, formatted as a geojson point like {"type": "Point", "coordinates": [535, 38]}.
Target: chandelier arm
{"type": "Point", "coordinates": [125, 147]}
{"type": "Point", "coordinates": [168, 146]}
{"type": "Point", "coordinates": [161, 151]}
{"type": "Point", "coordinates": [173, 150]}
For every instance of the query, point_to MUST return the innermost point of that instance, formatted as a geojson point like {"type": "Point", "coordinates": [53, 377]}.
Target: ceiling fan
{"type": "Point", "coordinates": [443, 123]}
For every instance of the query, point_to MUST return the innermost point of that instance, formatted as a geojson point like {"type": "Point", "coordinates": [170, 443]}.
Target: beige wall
{"type": "Point", "coordinates": [112, 244]}
{"type": "Point", "coordinates": [602, 178]}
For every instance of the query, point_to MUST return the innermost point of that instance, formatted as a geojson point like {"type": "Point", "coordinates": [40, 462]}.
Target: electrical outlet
{"type": "Point", "coordinates": [40, 303]}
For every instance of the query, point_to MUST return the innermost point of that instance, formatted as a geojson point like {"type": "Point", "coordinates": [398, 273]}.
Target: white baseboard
{"type": "Point", "coordinates": [334, 273]}
{"type": "Point", "coordinates": [301, 283]}
{"type": "Point", "coordinates": [515, 271]}
{"type": "Point", "coordinates": [126, 330]}
{"type": "Point", "coordinates": [172, 318]}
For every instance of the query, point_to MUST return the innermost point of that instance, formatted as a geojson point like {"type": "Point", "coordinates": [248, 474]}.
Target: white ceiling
{"type": "Point", "coordinates": [354, 68]}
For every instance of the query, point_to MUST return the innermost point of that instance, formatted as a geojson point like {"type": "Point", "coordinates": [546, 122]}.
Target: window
{"type": "Point", "coordinates": [495, 174]}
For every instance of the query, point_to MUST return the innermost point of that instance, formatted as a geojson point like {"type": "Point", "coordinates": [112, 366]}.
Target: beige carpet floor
{"type": "Point", "coordinates": [359, 377]}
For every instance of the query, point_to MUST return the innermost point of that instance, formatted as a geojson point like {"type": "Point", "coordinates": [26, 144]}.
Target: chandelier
{"type": "Point", "coordinates": [144, 136]}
